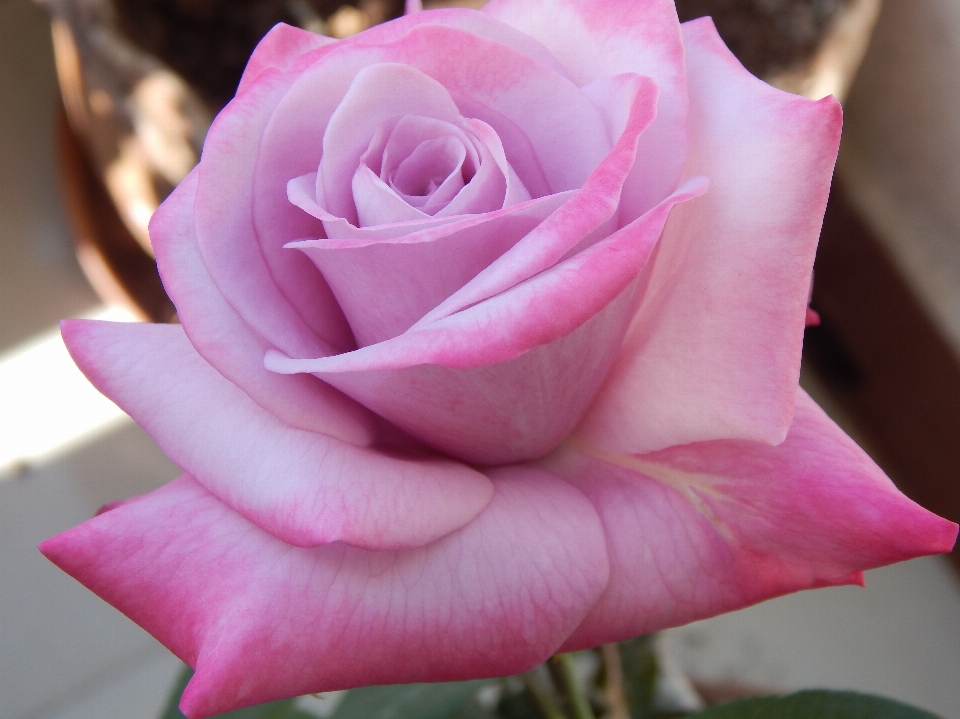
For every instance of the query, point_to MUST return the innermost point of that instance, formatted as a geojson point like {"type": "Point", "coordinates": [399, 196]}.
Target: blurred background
{"type": "Point", "coordinates": [103, 108]}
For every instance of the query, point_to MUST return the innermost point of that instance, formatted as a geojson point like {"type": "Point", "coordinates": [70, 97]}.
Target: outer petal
{"type": "Point", "coordinates": [594, 40]}
{"type": "Point", "coordinates": [698, 530]}
{"type": "Point", "coordinates": [506, 379]}
{"type": "Point", "coordinates": [714, 351]}
{"type": "Point", "coordinates": [262, 620]}
{"type": "Point", "coordinates": [304, 488]}
{"type": "Point", "coordinates": [225, 341]}
{"type": "Point", "coordinates": [278, 49]}
{"type": "Point", "coordinates": [228, 240]}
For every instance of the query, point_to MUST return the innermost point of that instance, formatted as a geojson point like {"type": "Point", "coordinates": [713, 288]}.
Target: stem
{"type": "Point", "coordinates": [543, 700]}
{"type": "Point", "coordinates": [614, 686]}
{"type": "Point", "coordinates": [577, 698]}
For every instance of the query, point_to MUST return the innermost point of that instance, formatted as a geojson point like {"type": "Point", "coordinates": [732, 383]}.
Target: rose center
{"type": "Point", "coordinates": [425, 161]}
{"type": "Point", "coordinates": [431, 165]}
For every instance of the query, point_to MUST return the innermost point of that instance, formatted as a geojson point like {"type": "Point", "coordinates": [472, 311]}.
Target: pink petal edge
{"type": "Point", "coordinates": [714, 351]}
{"type": "Point", "coordinates": [706, 528]}
{"type": "Point", "coordinates": [261, 620]}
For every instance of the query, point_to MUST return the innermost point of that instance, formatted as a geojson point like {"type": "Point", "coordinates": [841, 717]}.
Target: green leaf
{"type": "Point", "coordinates": [282, 709]}
{"type": "Point", "coordinates": [818, 704]}
{"type": "Point", "coordinates": [409, 701]}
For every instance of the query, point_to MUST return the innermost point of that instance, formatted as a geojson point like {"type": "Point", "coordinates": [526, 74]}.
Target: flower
{"type": "Point", "coordinates": [491, 328]}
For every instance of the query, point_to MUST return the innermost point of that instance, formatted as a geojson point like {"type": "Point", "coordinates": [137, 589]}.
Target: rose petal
{"type": "Point", "coordinates": [698, 530]}
{"type": "Point", "coordinates": [228, 241]}
{"type": "Point", "coordinates": [508, 378]}
{"type": "Point", "coordinates": [597, 40]}
{"type": "Point", "coordinates": [591, 208]}
{"type": "Point", "coordinates": [432, 174]}
{"type": "Point", "coordinates": [714, 352]}
{"type": "Point", "coordinates": [377, 94]}
{"type": "Point", "coordinates": [479, 24]}
{"type": "Point", "coordinates": [322, 79]}
{"type": "Point", "coordinates": [304, 488]}
{"type": "Point", "coordinates": [278, 49]}
{"type": "Point", "coordinates": [550, 111]}
{"type": "Point", "coordinates": [224, 340]}
{"type": "Point", "coordinates": [376, 203]}
{"type": "Point", "coordinates": [342, 234]}
{"type": "Point", "coordinates": [385, 284]}
{"type": "Point", "coordinates": [262, 620]}
{"type": "Point", "coordinates": [516, 192]}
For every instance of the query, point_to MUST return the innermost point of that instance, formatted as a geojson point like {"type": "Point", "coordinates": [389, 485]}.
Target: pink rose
{"type": "Point", "coordinates": [490, 346]}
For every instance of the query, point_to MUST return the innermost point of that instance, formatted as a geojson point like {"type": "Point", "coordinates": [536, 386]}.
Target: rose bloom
{"type": "Point", "coordinates": [491, 331]}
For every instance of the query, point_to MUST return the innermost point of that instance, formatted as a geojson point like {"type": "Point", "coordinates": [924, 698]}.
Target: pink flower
{"type": "Point", "coordinates": [490, 346]}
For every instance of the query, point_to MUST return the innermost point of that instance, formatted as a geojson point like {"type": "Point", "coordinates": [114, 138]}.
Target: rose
{"type": "Point", "coordinates": [541, 393]}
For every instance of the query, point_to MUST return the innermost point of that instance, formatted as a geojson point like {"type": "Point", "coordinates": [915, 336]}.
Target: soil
{"type": "Point", "coordinates": [768, 36]}
{"type": "Point", "coordinates": [208, 41]}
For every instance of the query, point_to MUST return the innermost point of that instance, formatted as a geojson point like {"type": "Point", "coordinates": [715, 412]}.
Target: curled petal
{"type": "Point", "coordinates": [377, 94]}
{"type": "Point", "coordinates": [261, 620]}
{"type": "Point", "coordinates": [228, 240]}
{"type": "Point", "coordinates": [305, 488]}
{"type": "Point", "coordinates": [278, 49]}
{"type": "Point", "coordinates": [706, 528]}
{"type": "Point", "coordinates": [224, 340]}
{"type": "Point", "coordinates": [522, 109]}
{"type": "Point", "coordinates": [508, 378]}
{"type": "Point", "coordinates": [591, 209]}
{"type": "Point", "coordinates": [714, 351]}
{"type": "Point", "coordinates": [387, 279]}
{"type": "Point", "coordinates": [596, 40]}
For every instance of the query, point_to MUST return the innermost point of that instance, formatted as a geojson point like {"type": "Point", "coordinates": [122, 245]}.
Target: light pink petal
{"type": "Point", "coordinates": [224, 340]}
{"type": "Point", "coordinates": [302, 487]}
{"type": "Point", "coordinates": [513, 93]}
{"type": "Point", "coordinates": [228, 240]}
{"type": "Point", "coordinates": [714, 352]}
{"type": "Point", "coordinates": [442, 161]}
{"type": "Point", "coordinates": [377, 94]}
{"type": "Point", "coordinates": [376, 203]}
{"type": "Point", "coordinates": [385, 284]}
{"type": "Point", "coordinates": [485, 192]}
{"type": "Point", "coordinates": [302, 193]}
{"type": "Point", "coordinates": [278, 49]}
{"type": "Point", "coordinates": [507, 379]}
{"type": "Point", "coordinates": [494, 185]}
{"type": "Point", "coordinates": [432, 174]}
{"type": "Point", "coordinates": [480, 24]}
{"type": "Point", "coordinates": [595, 40]}
{"type": "Point", "coordinates": [261, 620]}
{"type": "Point", "coordinates": [706, 528]}
{"type": "Point", "coordinates": [341, 233]}
{"type": "Point", "coordinates": [396, 139]}
{"type": "Point", "coordinates": [591, 211]}
{"type": "Point", "coordinates": [516, 192]}
{"type": "Point", "coordinates": [320, 80]}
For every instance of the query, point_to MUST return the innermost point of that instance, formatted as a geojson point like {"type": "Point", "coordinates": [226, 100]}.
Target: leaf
{"type": "Point", "coordinates": [816, 704]}
{"type": "Point", "coordinates": [408, 701]}
{"type": "Point", "coordinates": [282, 709]}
